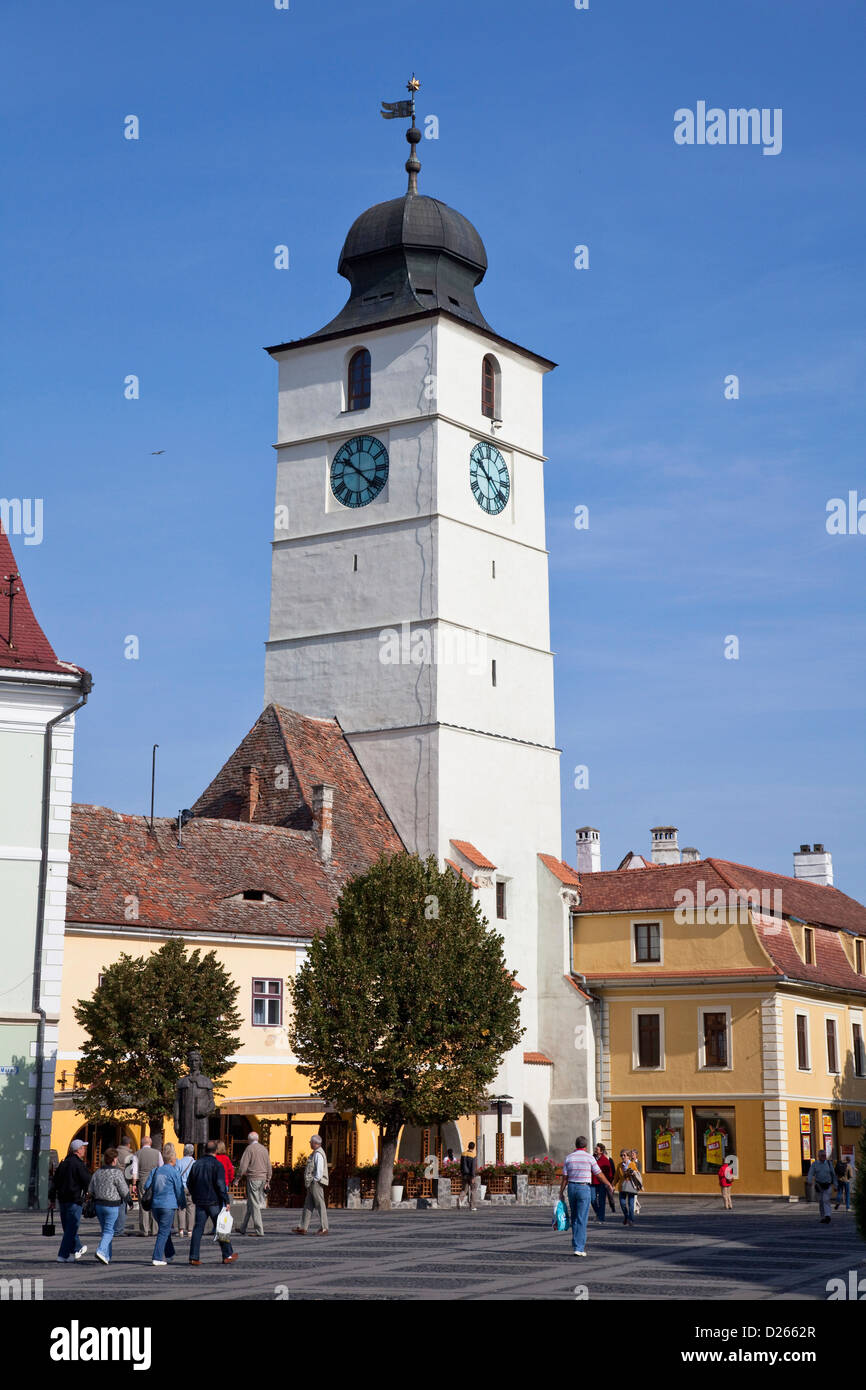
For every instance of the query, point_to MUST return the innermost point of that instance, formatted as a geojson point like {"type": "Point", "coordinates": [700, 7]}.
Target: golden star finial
{"type": "Point", "coordinates": [413, 84]}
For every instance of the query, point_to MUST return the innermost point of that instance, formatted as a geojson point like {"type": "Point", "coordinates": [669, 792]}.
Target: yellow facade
{"type": "Point", "coordinates": [753, 1104]}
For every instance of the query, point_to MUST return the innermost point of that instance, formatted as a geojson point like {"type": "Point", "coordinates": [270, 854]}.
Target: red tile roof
{"type": "Point", "coordinates": [515, 984]}
{"type": "Point", "coordinates": [116, 862]}
{"type": "Point", "coordinates": [293, 753]}
{"type": "Point", "coordinates": [538, 1059]}
{"type": "Point", "coordinates": [26, 647]}
{"type": "Point", "coordinates": [831, 965]}
{"type": "Point", "coordinates": [461, 873]}
{"type": "Point", "coordinates": [564, 872]}
{"type": "Point", "coordinates": [473, 855]}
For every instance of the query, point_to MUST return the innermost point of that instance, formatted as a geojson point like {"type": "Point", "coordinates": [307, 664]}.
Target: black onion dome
{"type": "Point", "coordinates": [414, 221]}
{"type": "Point", "coordinates": [408, 256]}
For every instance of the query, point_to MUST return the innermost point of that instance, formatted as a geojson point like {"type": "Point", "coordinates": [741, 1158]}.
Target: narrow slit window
{"type": "Point", "coordinates": [490, 388]}
{"type": "Point", "coordinates": [500, 900]}
{"type": "Point", "coordinates": [493, 569]}
{"type": "Point", "coordinates": [493, 673]}
{"type": "Point", "coordinates": [354, 562]}
{"type": "Point", "coordinates": [359, 380]}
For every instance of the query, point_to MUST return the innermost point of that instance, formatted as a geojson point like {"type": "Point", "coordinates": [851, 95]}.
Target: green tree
{"type": "Point", "coordinates": [141, 1022]}
{"type": "Point", "coordinates": [858, 1195]}
{"type": "Point", "coordinates": [405, 1006]}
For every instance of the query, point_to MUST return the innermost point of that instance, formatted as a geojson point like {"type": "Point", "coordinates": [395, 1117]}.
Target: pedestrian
{"type": "Point", "coordinates": [128, 1165]}
{"type": "Point", "coordinates": [632, 1153]}
{"type": "Point", "coordinates": [469, 1177]}
{"type": "Point", "coordinates": [186, 1213]}
{"type": "Point", "coordinates": [628, 1180]}
{"type": "Point", "coordinates": [109, 1190]}
{"type": "Point", "coordinates": [726, 1178]}
{"type": "Point", "coordinates": [166, 1186]}
{"type": "Point", "coordinates": [577, 1173]}
{"type": "Point", "coordinates": [207, 1187]}
{"type": "Point", "coordinates": [599, 1193]}
{"type": "Point", "coordinates": [148, 1158]}
{"type": "Point", "coordinates": [821, 1174]}
{"type": "Point", "coordinates": [844, 1175]}
{"type": "Point", "coordinates": [255, 1166]}
{"type": "Point", "coordinates": [315, 1181]}
{"type": "Point", "coordinates": [223, 1158]}
{"type": "Point", "coordinates": [68, 1186]}
{"type": "Point", "coordinates": [448, 1159]}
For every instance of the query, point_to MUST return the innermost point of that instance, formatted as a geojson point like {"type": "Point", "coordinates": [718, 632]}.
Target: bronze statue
{"type": "Point", "coordinates": [193, 1104]}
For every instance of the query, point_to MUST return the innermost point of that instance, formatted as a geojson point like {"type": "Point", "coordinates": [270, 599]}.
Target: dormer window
{"type": "Point", "coordinates": [490, 393]}
{"type": "Point", "coordinates": [253, 895]}
{"type": "Point", "coordinates": [358, 395]}
{"type": "Point", "coordinates": [809, 946]}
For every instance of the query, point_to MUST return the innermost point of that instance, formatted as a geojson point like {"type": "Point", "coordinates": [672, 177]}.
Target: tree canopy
{"type": "Point", "coordinates": [143, 1019]}
{"type": "Point", "coordinates": [405, 1006]}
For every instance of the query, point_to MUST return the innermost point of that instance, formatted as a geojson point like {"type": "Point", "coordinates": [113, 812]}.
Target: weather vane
{"type": "Point", "coordinates": [405, 111]}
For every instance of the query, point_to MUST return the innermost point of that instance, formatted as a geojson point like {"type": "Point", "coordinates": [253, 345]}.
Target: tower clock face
{"type": "Point", "coordinates": [359, 470]}
{"type": "Point", "coordinates": [488, 478]}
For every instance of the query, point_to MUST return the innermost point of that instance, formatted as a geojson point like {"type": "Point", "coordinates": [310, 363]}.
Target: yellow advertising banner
{"type": "Point", "coordinates": [714, 1145]}
{"type": "Point", "coordinates": [805, 1124]}
{"type": "Point", "coordinates": [664, 1145]}
{"type": "Point", "coordinates": [828, 1125]}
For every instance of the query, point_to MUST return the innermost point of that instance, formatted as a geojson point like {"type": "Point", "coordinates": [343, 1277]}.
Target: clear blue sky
{"type": "Point", "coordinates": [707, 516]}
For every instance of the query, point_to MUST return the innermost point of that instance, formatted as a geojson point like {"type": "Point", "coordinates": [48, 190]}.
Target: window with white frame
{"type": "Point", "coordinates": [648, 1039]}
{"type": "Point", "coordinates": [859, 1047]}
{"type": "Point", "coordinates": [803, 1052]}
{"type": "Point", "coordinates": [267, 1003]}
{"type": "Point", "coordinates": [832, 1046]}
{"type": "Point", "coordinates": [714, 1038]}
{"type": "Point", "coordinates": [646, 943]}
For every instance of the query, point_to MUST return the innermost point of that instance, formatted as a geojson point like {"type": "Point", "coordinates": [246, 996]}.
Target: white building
{"type": "Point", "coordinates": [410, 600]}
{"type": "Point", "coordinates": [38, 699]}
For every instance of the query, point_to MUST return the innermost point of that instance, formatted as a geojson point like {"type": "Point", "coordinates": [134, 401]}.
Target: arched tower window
{"type": "Point", "coordinates": [490, 399]}
{"type": "Point", "coordinates": [359, 380]}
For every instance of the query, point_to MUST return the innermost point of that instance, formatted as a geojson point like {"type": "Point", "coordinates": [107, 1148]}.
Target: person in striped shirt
{"type": "Point", "coordinates": [577, 1174]}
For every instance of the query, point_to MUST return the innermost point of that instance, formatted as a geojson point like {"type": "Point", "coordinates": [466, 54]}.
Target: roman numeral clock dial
{"type": "Point", "coordinates": [488, 478]}
{"type": "Point", "coordinates": [359, 470]}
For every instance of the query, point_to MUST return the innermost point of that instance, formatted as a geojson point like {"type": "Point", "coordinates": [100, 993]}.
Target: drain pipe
{"type": "Point", "coordinates": [42, 894]}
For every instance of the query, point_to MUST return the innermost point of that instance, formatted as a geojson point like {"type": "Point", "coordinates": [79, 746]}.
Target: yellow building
{"type": "Point", "coordinates": [729, 1020]}
{"type": "Point", "coordinates": [255, 874]}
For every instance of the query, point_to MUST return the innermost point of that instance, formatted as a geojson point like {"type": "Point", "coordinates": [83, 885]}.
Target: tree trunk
{"type": "Point", "coordinates": [382, 1201]}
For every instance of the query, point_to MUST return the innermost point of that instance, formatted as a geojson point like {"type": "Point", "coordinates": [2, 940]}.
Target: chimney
{"type": "Point", "coordinates": [665, 847]}
{"type": "Point", "coordinates": [323, 818]}
{"type": "Point", "coordinates": [815, 865]}
{"type": "Point", "coordinates": [250, 793]}
{"type": "Point", "coordinates": [690, 855]}
{"type": "Point", "coordinates": [588, 850]}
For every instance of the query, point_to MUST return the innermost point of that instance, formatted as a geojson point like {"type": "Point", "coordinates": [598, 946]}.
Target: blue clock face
{"type": "Point", "coordinates": [359, 470]}
{"type": "Point", "coordinates": [488, 478]}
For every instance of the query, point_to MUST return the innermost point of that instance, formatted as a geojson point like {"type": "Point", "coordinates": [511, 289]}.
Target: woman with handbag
{"type": "Point", "coordinates": [164, 1194]}
{"type": "Point", "coordinates": [629, 1183]}
{"type": "Point", "coordinates": [109, 1191]}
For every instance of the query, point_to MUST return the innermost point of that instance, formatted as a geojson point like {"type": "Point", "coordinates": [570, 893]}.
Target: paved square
{"type": "Point", "coordinates": [679, 1249]}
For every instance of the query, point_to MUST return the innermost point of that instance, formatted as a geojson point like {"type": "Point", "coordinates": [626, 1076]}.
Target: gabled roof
{"type": "Point", "coordinates": [461, 873]}
{"type": "Point", "coordinates": [636, 861]}
{"type": "Point", "coordinates": [123, 874]}
{"type": "Point", "coordinates": [564, 872]}
{"type": "Point", "coordinates": [293, 753]}
{"type": "Point", "coordinates": [473, 855]}
{"type": "Point", "coordinates": [26, 647]}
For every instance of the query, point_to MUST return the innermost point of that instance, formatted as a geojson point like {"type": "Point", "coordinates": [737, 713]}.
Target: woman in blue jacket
{"type": "Point", "coordinates": [166, 1183]}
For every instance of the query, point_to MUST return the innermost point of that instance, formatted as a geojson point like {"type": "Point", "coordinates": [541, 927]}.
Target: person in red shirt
{"type": "Point", "coordinates": [726, 1178]}
{"type": "Point", "coordinates": [599, 1191]}
{"type": "Point", "coordinates": [228, 1167]}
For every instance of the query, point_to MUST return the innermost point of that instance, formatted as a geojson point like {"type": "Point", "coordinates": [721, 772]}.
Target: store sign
{"type": "Point", "coordinates": [664, 1145]}
{"type": "Point", "coordinates": [9, 1071]}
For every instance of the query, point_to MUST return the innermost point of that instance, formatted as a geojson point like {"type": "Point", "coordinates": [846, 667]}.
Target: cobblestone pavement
{"type": "Point", "coordinates": [688, 1249]}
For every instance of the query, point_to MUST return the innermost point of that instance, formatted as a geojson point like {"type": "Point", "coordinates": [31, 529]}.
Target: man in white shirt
{"type": "Point", "coordinates": [315, 1180]}
{"type": "Point", "coordinates": [577, 1171]}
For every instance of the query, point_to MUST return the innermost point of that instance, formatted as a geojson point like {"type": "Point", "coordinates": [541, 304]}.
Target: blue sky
{"type": "Point", "coordinates": [707, 516]}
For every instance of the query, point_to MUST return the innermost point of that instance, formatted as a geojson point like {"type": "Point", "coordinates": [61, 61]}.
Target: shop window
{"type": "Point", "coordinates": [664, 1144]}
{"type": "Point", "coordinates": [715, 1138]}
{"type": "Point", "coordinates": [647, 941]}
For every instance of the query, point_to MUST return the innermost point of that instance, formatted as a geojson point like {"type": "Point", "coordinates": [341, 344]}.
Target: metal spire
{"type": "Point", "coordinates": [405, 110]}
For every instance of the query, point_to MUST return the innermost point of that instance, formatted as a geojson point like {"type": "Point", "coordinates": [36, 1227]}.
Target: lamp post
{"type": "Point", "coordinates": [499, 1102]}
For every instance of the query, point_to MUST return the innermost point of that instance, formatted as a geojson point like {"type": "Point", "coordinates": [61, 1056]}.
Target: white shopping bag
{"type": "Point", "coordinates": [224, 1225]}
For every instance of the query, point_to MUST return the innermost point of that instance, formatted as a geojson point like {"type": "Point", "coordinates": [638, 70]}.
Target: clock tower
{"type": "Point", "coordinates": [409, 587]}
